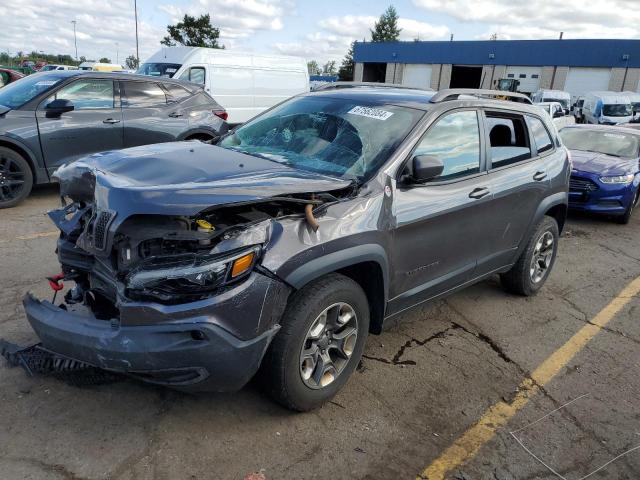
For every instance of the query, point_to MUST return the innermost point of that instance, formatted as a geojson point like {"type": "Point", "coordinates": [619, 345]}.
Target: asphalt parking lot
{"type": "Point", "coordinates": [421, 387]}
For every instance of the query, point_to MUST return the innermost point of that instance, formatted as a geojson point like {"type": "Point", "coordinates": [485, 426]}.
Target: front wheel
{"type": "Point", "coordinates": [624, 218]}
{"type": "Point", "coordinates": [533, 267]}
{"type": "Point", "coordinates": [324, 329]}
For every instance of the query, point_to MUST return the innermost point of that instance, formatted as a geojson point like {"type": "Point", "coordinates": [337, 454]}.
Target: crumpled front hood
{"type": "Point", "coordinates": [182, 178]}
{"type": "Point", "coordinates": [602, 164]}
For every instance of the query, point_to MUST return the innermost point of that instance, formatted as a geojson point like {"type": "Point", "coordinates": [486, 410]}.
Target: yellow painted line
{"type": "Point", "coordinates": [496, 417]}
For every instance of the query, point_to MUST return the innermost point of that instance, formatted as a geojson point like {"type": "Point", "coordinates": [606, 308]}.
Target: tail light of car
{"type": "Point", "coordinates": [221, 113]}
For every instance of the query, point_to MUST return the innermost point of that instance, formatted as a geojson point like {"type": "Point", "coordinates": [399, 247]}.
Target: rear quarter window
{"type": "Point", "coordinates": [541, 137]}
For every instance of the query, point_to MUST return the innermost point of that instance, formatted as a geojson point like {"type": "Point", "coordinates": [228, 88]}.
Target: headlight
{"type": "Point", "coordinates": [190, 274]}
{"type": "Point", "coordinates": [622, 179]}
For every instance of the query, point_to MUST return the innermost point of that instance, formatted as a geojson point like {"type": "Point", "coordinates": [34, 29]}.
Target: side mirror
{"type": "Point", "coordinates": [426, 167]}
{"type": "Point", "coordinates": [58, 107]}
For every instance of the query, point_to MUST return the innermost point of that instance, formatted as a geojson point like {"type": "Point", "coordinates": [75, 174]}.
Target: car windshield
{"type": "Point", "coordinates": [617, 110]}
{"type": "Point", "coordinates": [610, 143]}
{"type": "Point", "coordinates": [159, 69]}
{"type": "Point", "coordinates": [20, 92]}
{"type": "Point", "coordinates": [334, 136]}
{"type": "Point", "coordinates": [562, 101]}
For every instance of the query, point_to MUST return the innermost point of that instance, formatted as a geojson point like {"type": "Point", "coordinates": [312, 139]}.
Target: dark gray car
{"type": "Point", "coordinates": [53, 118]}
{"type": "Point", "coordinates": [307, 228]}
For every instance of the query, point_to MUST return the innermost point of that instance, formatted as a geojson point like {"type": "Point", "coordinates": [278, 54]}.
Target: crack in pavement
{"type": "Point", "coordinates": [585, 319]}
{"type": "Point", "coordinates": [396, 359]}
{"type": "Point", "coordinates": [617, 252]}
{"type": "Point", "coordinates": [57, 468]}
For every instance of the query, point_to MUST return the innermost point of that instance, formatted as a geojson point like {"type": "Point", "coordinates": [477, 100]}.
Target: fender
{"type": "Point", "coordinates": [331, 262]}
{"type": "Point", "coordinates": [35, 162]}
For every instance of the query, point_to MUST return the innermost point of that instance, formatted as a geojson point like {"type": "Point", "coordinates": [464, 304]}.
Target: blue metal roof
{"type": "Point", "coordinates": [571, 53]}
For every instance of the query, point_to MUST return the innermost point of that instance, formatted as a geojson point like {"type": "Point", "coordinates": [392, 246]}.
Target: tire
{"type": "Point", "coordinates": [16, 178]}
{"type": "Point", "coordinates": [626, 216]}
{"type": "Point", "coordinates": [294, 379]}
{"type": "Point", "coordinates": [526, 277]}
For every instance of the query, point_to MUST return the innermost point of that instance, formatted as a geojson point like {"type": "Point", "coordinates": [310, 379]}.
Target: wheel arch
{"type": "Point", "coordinates": [366, 264]}
{"type": "Point", "coordinates": [559, 213]}
{"type": "Point", "coordinates": [199, 132]}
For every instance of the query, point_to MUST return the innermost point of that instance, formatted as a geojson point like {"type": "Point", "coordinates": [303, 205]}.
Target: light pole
{"type": "Point", "coordinates": [75, 40]}
{"type": "Point", "coordinates": [135, 10]}
{"type": "Point", "coordinates": [117, 54]}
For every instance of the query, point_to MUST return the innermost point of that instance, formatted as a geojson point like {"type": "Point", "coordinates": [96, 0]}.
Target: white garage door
{"type": "Point", "coordinates": [529, 77]}
{"type": "Point", "coordinates": [418, 76]}
{"type": "Point", "coordinates": [582, 80]}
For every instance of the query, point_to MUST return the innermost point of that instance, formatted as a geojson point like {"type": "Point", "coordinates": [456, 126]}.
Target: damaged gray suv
{"type": "Point", "coordinates": [280, 249]}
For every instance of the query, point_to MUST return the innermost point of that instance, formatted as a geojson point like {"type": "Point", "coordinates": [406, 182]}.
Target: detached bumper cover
{"type": "Point", "coordinates": [193, 356]}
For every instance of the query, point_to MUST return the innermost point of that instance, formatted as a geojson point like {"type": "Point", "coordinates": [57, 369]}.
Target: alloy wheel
{"type": "Point", "coordinates": [12, 179]}
{"type": "Point", "coordinates": [542, 257]}
{"type": "Point", "coordinates": [328, 345]}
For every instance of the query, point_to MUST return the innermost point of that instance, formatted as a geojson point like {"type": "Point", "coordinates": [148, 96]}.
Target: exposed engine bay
{"type": "Point", "coordinates": [167, 259]}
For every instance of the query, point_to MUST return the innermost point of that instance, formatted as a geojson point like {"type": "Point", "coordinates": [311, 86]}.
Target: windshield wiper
{"type": "Point", "coordinates": [601, 153]}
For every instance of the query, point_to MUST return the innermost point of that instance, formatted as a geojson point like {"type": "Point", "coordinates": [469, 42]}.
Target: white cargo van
{"type": "Point", "coordinates": [607, 108]}
{"type": "Point", "coordinates": [634, 98]}
{"type": "Point", "coordinates": [560, 96]}
{"type": "Point", "coordinates": [245, 84]}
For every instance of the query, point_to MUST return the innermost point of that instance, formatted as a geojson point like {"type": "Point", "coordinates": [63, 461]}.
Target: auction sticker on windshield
{"type": "Point", "coordinates": [370, 112]}
{"type": "Point", "coordinates": [614, 135]}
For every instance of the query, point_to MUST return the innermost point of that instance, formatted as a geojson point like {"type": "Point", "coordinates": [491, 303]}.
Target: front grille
{"type": "Point", "coordinates": [100, 227]}
{"type": "Point", "coordinates": [577, 184]}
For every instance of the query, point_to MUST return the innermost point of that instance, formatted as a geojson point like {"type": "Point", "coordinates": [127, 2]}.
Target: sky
{"type": "Point", "coordinates": [318, 30]}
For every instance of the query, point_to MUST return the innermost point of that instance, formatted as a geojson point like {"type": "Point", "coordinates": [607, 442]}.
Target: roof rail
{"type": "Point", "coordinates": [455, 93]}
{"type": "Point", "coordinates": [340, 85]}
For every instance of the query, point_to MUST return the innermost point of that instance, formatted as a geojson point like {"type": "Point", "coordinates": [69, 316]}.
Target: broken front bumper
{"type": "Point", "coordinates": [194, 353]}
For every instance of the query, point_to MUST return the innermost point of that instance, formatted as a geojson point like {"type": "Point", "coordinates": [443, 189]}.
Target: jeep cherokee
{"type": "Point", "coordinates": [279, 249]}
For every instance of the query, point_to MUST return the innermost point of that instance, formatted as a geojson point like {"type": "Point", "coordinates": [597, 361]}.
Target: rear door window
{"type": "Point", "coordinates": [540, 134]}
{"type": "Point", "coordinates": [143, 94]}
{"type": "Point", "coordinates": [194, 75]}
{"type": "Point", "coordinates": [508, 138]}
{"type": "Point", "coordinates": [176, 93]}
{"type": "Point", "coordinates": [455, 140]}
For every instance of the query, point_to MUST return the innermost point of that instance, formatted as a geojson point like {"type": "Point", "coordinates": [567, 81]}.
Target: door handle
{"type": "Point", "coordinates": [539, 176]}
{"type": "Point", "coordinates": [479, 192]}
{"type": "Point", "coordinates": [175, 114]}
{"type": "Point", "coordinates": [111, 120]}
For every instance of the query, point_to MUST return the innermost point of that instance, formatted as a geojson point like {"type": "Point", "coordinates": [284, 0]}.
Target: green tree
{"type": "Point", "coordinates": [345, 73]}
{"type": "Point", "coordinates": [329, 68]}
{"type": "Point", "coordinates": [132, 62]}
{"type": "Point", "coordinates": [313, 68]}
{"type": "Point", "coordinates": [193, 32]}
{"type": "Point", "coordinates": [104, 60]}
{"type": "Point", "coordinates": [386, 28]}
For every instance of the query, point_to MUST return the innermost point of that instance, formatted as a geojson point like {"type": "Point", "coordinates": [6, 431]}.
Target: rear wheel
{"type": "Point", "coordinates": [16, 178]}
{"type": "Point", "coordinates": [323, 333]}
{"type": "Point", "coordinates": [533, 267]}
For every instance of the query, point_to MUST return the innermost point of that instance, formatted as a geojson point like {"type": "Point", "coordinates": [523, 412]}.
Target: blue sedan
{"type": "Point", "coordinates": [606, 172]}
